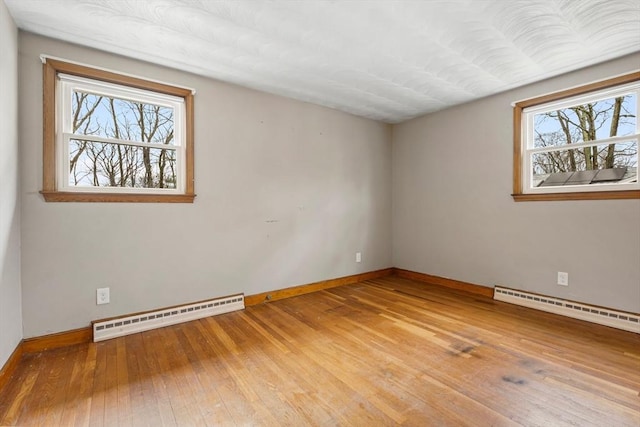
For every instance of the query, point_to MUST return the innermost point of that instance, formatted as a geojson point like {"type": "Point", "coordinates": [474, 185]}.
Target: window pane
{"type": "Point", "coordinates": [586, 122]}
{"type": "Point", "coordinates": [96, 164]}
{"type": "Point", "coordinates": [588, 165]}
{"type": "Point", "coordinates": [121, 119]}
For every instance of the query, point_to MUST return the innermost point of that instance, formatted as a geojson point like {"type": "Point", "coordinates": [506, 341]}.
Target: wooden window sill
{"type": "Point", "coordinates": [61, 196]}
{"type": "Point", "coordinates": [591, 195]}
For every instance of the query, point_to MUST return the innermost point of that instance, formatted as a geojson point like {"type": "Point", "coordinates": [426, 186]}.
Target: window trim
{"type": "Point", "coordinates": [518, 138]}
{"type": "Point", "coordinates": [50, 192]}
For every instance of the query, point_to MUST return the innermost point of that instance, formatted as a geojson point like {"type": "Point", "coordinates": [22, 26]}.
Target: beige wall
{"type": "Point", "coordinates": [453, 215]}
{"type": "Point", "coordinates": [287, 193]}
{"type": "Point", "coordinates": [10, 300]}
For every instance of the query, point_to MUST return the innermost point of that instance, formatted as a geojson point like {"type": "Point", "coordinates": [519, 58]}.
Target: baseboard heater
{"type": "Point", "coordinates": [104, 330]}
{"type": "Point", "coordinates": [603, 316]}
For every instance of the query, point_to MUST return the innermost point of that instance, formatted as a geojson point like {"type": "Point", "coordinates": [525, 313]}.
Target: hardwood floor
{"type": "Point", "coordinates": [382, 352]}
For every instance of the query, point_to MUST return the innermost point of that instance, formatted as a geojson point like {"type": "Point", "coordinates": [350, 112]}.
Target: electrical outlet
{"type": "Point", "coordinates": [102, 296]}
{"type": "Point", "coordinates": [358, 256]}
{"type": "Point", "coordinates": [563, 278]}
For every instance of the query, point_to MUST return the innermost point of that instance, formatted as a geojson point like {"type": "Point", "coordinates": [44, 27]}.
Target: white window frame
{"type": "Point", "coordinates": [524, 113]}
{"type": "Point", "coordinates": [528, 140]}
{"type": "Point", "coordinates": [68, 84]}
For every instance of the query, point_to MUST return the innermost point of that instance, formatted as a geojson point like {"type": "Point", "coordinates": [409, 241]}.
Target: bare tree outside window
{"type": "Point", "coordinates": [583, 123]}
{"type": "Point", "coordinates": [121, 143]}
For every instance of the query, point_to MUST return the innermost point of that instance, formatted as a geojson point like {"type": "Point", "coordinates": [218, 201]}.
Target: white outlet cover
{"type": "Point", "coordinates": [102, 296]}
{"type": "Point", "coordinates": [358, 256]}
{"type": "Point", "coordinates": [563, 278]}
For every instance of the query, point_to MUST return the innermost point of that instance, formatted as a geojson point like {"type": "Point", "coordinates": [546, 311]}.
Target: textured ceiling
{"type": "Point", "coordinates": [385, 60]}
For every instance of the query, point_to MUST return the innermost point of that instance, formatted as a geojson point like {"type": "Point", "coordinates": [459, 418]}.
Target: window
{"type": "Point", "coordinates": [579, 144]}
{"type": "Point", "coordinates": [115, 138]}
